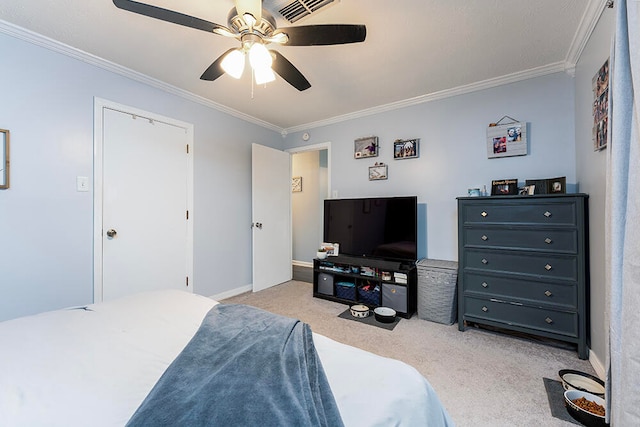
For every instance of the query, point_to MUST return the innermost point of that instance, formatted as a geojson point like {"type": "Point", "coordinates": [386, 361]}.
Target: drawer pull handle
{"type": "Point", "coordinates": [484, 261]}
{"type": "Point", "coordinates": [485, 285]}
{"type": "Point", "coordinates": [547, 267]}
{"type": "Point", "coordinates": [547, 214]}
{"type": "Point", "coordinates": [484, 308]}
{"type": "Point", "coordinates": [548, 293]}
{"type": "Point", "coordinates": [485, 238]}
{"type": "Point", "coordinates": [484, 214]}
{"type": "Point", "coordinates": [548, 241]}
{"type": "Point", "coordinates": [548, 320]}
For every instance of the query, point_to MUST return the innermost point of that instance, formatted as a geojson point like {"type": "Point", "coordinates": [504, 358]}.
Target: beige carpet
{"type": "Point", "coordinates": [483, 378]}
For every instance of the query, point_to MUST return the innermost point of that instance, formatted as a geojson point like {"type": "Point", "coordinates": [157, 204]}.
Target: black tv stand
{"type": "Point", "coordinates": [369, 281]}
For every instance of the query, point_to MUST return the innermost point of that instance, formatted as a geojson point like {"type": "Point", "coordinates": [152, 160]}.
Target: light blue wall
{"type": "Point", "coordinates": [453, 155]}
{"type": "Point", "coordinates": [46, 226]}
{"type": "Point", "coordinates": [592, 174]}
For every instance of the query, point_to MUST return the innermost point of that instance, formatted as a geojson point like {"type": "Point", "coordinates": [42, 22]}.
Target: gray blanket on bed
{"type": "Point", "coordinates": [244, 366]}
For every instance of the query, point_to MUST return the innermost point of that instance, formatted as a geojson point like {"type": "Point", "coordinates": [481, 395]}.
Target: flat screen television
{"type": "Point", "coordinates": [378, 227]}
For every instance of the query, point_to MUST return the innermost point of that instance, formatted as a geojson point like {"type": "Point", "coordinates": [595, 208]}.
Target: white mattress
{"type": "Point", "coordinates": [94, 366]}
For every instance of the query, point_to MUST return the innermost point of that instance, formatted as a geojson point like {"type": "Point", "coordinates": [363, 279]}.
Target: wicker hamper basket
{"type": "Point", "coordinates": [437, 290]}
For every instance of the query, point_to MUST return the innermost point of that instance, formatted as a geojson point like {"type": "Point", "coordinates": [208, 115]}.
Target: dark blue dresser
{"type": "Point", "coordinates": [523, 265]}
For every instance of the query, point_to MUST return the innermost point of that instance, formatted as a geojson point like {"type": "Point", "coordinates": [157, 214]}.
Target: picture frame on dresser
{"type": "Point", "coordinates": [557, 185]}
{"type": "Point", "coordinates": [504, 187]}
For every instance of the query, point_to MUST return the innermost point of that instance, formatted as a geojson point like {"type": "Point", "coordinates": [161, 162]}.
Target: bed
{"type": "Point", "coordinates": [97, 365]}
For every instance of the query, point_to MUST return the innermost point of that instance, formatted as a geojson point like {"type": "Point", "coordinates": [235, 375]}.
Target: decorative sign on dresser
{"type": "Point", "coordinates": [523, 265]}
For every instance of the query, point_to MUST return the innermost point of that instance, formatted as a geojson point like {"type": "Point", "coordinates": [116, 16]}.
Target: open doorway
{"type": "Point", "coordinates": [310, 168]}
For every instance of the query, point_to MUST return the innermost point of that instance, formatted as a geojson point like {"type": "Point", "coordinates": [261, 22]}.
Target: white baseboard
{"type": "Point", "coordinates": [598, 366]}
{"type": "Point", "coordinates": [232, 293]}
{"type": "Point", "coordinates": [302, 263]}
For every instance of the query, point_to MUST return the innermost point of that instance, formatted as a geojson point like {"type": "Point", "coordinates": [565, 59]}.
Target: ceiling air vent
{"type": "Point", "coordinates": [295, 10]}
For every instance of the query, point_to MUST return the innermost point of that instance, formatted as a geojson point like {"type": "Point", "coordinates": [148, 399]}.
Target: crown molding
{"type": "Point", "coordinates": [447, 93]}
{"type": "Point", "coordinates": [587, 24]}
{"type": "Point", "coordinates": [585, 29]}
{"type": "Point", "coordinates": [56, 46]}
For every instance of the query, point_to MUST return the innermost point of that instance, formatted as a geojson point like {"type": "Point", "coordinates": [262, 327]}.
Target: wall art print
{"type": "Point", "coordinates": [601, 107]}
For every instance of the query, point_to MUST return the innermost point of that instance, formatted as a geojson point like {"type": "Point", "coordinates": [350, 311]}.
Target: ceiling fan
{"type": "Point", "coordinates": [255, 28]}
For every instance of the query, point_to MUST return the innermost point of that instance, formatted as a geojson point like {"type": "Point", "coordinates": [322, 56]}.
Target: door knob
{"type": "Point", "coordinates": [259, 225]}
{"type": "Point", "coordinates": [111, 233]}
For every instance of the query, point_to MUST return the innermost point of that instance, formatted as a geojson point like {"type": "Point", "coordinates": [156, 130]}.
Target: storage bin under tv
{"type": "Point", "coordinates": [344, 279]}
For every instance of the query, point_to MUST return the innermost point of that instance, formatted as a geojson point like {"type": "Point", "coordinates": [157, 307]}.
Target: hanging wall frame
{"type": "Point", "coordinates": [601, 107]}
{"type": "Point", "coordinates": [506, 139]}
{"type": "Point", "coordinates": [365, 147]}
{"type": "Point", "coordinates": [4, 159]}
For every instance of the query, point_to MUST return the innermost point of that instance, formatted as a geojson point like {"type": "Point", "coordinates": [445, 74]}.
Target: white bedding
{"type": "Point", "coordinates": [94, 366]}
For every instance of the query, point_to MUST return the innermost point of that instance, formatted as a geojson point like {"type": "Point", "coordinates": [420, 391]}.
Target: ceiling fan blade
{"type": "Point", "coordinates": [289, 72]}
{"type": "Point", "coordinates": [167, 15]}
{"type": "Point", "coordinates": [253, 7]}
{"type": "Point", "coordinates": [215, 69]}
{"type": "Point", "coordinates": [319, 35]}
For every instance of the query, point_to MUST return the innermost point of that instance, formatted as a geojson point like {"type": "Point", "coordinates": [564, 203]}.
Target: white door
{"type": "Point", "coordinates": [146, 186]}
{"type": "Point", "coordinates": [271, 213]}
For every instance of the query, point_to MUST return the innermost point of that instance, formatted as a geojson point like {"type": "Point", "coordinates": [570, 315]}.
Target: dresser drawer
{"type": "Point", "coordinates": [564, 267]}
{"type": "Point", "coordinates": [564, 296]}
{"type": "Point", "coordinates": [557, 322]}
{"type": "Point", "coordinates": [554, 240]}
{"type": "Point", "coordinates": [515, 212]}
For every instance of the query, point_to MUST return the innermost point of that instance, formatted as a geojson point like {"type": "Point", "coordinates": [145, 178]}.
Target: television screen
{"type": "Point", "coordinates": [380, 227]}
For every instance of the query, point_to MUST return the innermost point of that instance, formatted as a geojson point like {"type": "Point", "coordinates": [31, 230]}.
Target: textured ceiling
{"type": "Point", "coordinates": [414, 48]}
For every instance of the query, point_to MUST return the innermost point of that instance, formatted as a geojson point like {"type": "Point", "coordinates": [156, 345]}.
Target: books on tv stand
{"type": "Point", "coordinates": [372, 282]}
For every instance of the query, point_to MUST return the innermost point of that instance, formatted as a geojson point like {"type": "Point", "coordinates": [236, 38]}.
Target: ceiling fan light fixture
{"type": "Point", "coordinates": [264, 75]}
{"type": "Point", "coordinates": [280, 38]}
{"type": "Point", "coordinates": [259, 56]}
{"type": "Point", "coordinates": [249, 19]}
{"type": "Point", "coordinates": [223, 32]}
{"type": "Point", "coordinates": [233, 63]}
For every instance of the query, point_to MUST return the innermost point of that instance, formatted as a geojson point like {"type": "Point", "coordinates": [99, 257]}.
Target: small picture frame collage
{"type": "Point", "coordinates": [366, 147]}
{"type": "Point", "coordinates": [506, 140]}
{"type": "Point", "coordinates": [600, 84]}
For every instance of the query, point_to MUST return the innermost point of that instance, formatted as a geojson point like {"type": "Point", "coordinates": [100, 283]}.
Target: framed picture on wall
{"type": "Point", "coordinates": [406, 149]}
{"type": "Point", "coordinates": [601, 107]}
{"type": "Point", "coordinates": [507, 140]}
{"type": "Point", "coordinates": [296, 184]}
{"type": "Point", "coordinates": [377, 172]}
{"type": "Point", "coordinates": [4, 158]}
{"type": "Point", "coordinates": [366, 147]}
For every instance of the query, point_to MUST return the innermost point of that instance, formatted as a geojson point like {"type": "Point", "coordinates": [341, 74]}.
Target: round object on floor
{"type": "Point", "coordinates": [576, 380]}
{"type": "Point", "coordinates": [359, 311]}
{"type": "Point", "coordinates": [580, 414]}
{"type": "Point", "coordinates": [385, 314]}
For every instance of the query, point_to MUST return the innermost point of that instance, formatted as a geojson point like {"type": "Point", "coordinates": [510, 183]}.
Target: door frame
{"type": "Point", "coordinates": [100, 105]}
{"type": "Point", "coordinates": [302, 149]}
